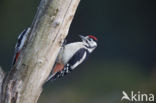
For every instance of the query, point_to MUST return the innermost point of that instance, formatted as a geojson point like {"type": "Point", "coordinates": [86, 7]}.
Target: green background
{"type": "Point", "coordinates": [125, 58]}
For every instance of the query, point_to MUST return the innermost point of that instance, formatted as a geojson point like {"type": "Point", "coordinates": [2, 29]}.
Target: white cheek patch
{"type": "Point", "coordinates": [93, 44]}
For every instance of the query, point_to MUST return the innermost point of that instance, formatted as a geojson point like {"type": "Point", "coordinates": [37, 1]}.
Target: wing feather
{"type": "Point", "coordinates": [77, 58]}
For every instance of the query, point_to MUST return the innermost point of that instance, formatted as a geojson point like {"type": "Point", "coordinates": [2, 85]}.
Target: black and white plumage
{"type": "Point", "coordinates": [71, 55]}
{"type": "Point", "coordinates": [20, 43]}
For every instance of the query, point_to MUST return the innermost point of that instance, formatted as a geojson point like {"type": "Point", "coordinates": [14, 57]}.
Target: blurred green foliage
{"type": "Point", "coordinates": [125, 58]}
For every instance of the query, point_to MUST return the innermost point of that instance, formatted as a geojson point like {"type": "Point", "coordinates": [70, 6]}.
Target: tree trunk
{"type": "Point", "coordinates": [50, 26]}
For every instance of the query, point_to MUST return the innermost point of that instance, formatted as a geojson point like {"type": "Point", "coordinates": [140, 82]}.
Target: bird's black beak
{"type": "Point", "coordinates": [82, 37]}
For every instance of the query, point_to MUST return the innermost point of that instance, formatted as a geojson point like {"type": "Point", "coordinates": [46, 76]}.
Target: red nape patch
{"type": "Point", "coordinates": [93, 37]}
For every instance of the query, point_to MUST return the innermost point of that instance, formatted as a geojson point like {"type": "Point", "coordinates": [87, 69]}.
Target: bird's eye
{"type": "Point", "coordinates": [90, 39]}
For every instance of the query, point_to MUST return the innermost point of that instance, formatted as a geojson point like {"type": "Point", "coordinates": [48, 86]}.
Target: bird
{"type": "Point", "coordinates": [22, 38]}
{"type": "Point", "coordinates": [71, 55]}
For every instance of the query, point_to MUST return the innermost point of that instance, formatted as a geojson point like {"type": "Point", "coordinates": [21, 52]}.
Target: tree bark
{"type": "Point", "coordinates": [50, 26]}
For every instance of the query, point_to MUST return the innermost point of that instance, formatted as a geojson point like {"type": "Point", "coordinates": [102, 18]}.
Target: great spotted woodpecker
{"type": "Point", "coordinates": [20, 43]}
{"type": "Point", "coordinates": [71, 55]}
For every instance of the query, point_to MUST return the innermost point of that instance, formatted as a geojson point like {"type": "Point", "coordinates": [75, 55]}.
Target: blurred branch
{"type": "Point", "coordinates": [2, 74]}
{"type": "Point", "coordinates": [49, 28]}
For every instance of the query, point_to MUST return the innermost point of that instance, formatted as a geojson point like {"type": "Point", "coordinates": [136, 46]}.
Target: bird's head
{"type": "Point", "coordinates": [89, 41]}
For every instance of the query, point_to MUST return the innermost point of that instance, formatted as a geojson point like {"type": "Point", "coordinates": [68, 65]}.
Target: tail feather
{"type": "Point", "coordinates": [53, 77]}
{"type": "Point", "coordinates": [66, 69]}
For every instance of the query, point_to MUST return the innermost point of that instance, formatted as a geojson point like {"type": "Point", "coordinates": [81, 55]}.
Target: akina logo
{"type": "Point", "coordinates": [138, 96]}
